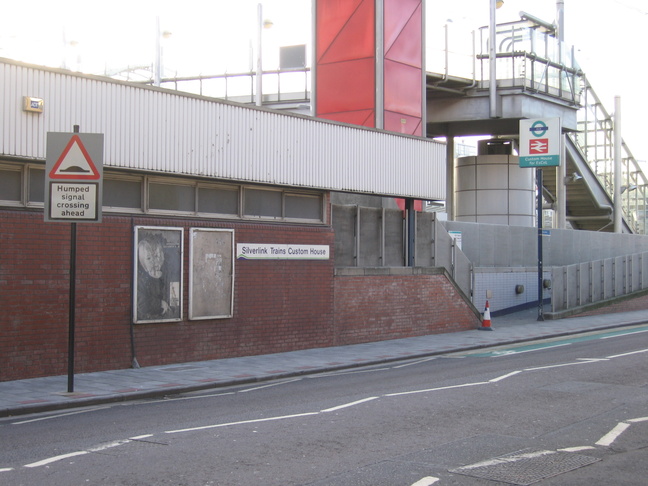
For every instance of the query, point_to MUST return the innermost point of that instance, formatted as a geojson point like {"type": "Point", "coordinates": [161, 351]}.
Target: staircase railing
{"type": "Point", "coordinates": [595, 138]}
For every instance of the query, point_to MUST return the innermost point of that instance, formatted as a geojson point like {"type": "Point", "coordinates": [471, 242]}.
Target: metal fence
{"type": "Point", "coordinates": [587, 283]}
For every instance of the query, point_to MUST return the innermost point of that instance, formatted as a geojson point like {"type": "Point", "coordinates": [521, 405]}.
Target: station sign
{"type": "Point", "coordinates": [74, 177]}
{"type": "Point", "coordinates": [540, 142]}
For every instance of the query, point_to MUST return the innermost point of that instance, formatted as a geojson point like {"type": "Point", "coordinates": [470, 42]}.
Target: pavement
{"type": "Point", "coordinates": [34, 395]}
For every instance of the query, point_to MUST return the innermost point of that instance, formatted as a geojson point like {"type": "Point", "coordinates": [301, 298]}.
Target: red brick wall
{"type": "Point", "coordinates": [278, 305]}
{"type": "Point", "coordinates": [371, 305]}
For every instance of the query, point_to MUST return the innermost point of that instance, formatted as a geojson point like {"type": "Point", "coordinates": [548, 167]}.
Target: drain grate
{"type": "Point", "coordinates": [526, 467]}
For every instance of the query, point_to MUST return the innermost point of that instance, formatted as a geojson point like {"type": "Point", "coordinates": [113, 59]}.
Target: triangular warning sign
{"type": "Point", "coordinates": [74, 163]}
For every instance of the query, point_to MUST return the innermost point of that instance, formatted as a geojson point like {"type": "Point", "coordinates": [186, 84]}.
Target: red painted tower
{"type": "Point", "coordinates": [369, 63]}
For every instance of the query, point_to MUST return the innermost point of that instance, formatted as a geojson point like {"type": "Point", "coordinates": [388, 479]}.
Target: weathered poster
{"type": "Point", "coordinates": [158, 274]}
{"type": "Point", "coordinates": [211, 273]}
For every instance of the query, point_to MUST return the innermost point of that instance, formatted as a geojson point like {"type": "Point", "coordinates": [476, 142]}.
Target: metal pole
{"type": "Point", "coordinates": [411, 231]}
{"type": "Point", "coordinates": [492, 86]}
{"type": "Point", "coordinates": [259, 69]}
{"type": "Point", "coordinates": [540, 269]}
{"type": "Point", "coordinates": [72, 301]}
{"type": "Point", "coordinates": [617, 166]}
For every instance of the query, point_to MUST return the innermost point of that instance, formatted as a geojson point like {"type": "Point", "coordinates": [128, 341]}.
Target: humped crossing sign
{"type": "Point", "coordinates": [74, 176]}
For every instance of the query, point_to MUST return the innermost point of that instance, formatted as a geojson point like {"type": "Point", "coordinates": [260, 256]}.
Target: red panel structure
{"type": "Point", "coordinates": [403, 66]}
{"type": "Point", "coordinates": [345, 51]}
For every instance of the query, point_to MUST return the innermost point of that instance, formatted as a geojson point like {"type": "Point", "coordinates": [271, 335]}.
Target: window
{"type": "Point", "coordinates": [24, 185]}
{"type": "Point", "coordinates": [262, 203]}
{"type": "Point", "coordinates": [172, 197]}
{"type": "Point", "coordinates": [301, 206]}
{"type": "Point", "coordinates": [218, 200]}
{"type": "Point", "coordinates": [36, 185]}
{"type": "Point", "coordinates": [11, 185]}
{"type": "Point", "coordinates": [122, 193]}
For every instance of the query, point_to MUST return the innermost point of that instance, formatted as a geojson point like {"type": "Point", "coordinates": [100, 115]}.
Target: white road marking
{"type": "Point", "coordinates": [49, 417]}
{"type": "Point", "coordinates": [6, 469]}
{"type": "Point", "coordinates": [50, 460]}
{"type": "Point", "coordinates": [415, 362]}
{"type": "Point", "coordinates": [613, 434]}
{"type": "Point", "coordinates": [500, 378]}
{"type": "Point", "coordinates": [109, 445]}
{"type": "Point", "coordinates": [508, 459]}
{"type": "Point", "coordinates": [623, 335]}
{"type": "Point", "coordinates": [140, 437]}
{"type": "Point", "coordinates": [426, 481]}
{"type": "Point", "coordinates": [268, 419]}
{"type": "Point", "coordinates": [268, 386]}
{"type": "Point", "coordinates": [640, 419]}
{"type": "Point", "coordinates": [558, 366]}
{"type": "Point", "coordinates": [511, 352]}
{"type": "Point", "coordinates": [347, 405]}
{"type": "Point", "coordinates": [343, 372]}
{"type": "Point", "coordinates": [436, 389]}
{"type": "Point", "coordinates": [628, 354]}
{"type": "Point", "coordinates": [576, 449]}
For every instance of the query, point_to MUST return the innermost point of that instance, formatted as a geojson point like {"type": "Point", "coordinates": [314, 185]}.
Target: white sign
{"type": "Point", "coordinates": [540, 142]}
{"type": "Point", "coordinates": [72, 200]}
{"type": "Point", "coordinates": [456, 236]}
{"type": "Point", "coordinates": [265, 251]}
{"type": "Point", "coordinates": [74, 177]}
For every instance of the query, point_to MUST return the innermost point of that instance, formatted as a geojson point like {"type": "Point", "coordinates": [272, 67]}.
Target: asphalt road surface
{"type": "Point", "coordinates": [567, 411]}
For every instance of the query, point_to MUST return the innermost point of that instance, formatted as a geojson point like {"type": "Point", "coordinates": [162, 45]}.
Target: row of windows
{"type": "Point", "coordinates": [24, 185]}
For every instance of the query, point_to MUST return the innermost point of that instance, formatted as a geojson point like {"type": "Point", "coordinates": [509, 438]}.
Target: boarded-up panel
{"type": "Point", "coordinates": [211, 278]}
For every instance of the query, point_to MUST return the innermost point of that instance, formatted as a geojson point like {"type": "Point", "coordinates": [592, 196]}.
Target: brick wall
{"type": "Point", "coordinates": [279, 305]}
{"type": "Point", "coordinates": [383, 303]}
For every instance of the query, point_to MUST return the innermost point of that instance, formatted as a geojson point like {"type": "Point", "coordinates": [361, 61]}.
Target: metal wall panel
{"type": "Point", "coordinates": [162, 131]}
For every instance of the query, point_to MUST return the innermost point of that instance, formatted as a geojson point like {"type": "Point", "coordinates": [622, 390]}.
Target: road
{"type": "Point", "coordinates": [567, 411]}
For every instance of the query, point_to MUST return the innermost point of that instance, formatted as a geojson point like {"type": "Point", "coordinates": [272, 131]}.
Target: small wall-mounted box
{"type": "Point", "coordinates": [35, 105]}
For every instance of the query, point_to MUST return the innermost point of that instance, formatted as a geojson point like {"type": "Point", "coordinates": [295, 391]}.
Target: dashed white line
{"type": "Point", "coordinates": [503, 377]}
{"type": "Point", "coordinates": [576, 449]}
{"type": "Point", "coordinates": [50, 460]}
{"type": "Point", "coordinates": [427, 481]}
{"type": "Point", "coordinates": [347, 405]}
{"type": "Point", "coordinates": [436, 389]}
{"type": "Point", "coordinates": [268, 386]}
{"type": "Point", "coordinates": [253, 421]}
{"type": "Point", "coordinates": [415, 362]}
{"type": "Point", "coordinates": [49, 417]}
{"type": "Point", "coordinates": [628, 354]}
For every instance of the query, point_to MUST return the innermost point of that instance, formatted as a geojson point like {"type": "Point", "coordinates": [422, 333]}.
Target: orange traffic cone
{"type": "Point", "coordinates": [486, 321]}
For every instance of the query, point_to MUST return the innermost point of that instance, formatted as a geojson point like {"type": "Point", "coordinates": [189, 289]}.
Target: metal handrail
{"type": "Point", "coordinates": [595, 138]}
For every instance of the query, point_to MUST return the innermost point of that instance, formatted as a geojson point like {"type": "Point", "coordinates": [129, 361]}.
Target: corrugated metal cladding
{"type": "Point", "coordinates": [166, 131]}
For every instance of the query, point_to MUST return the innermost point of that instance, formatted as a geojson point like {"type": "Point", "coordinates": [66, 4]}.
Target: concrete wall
{"type": "Point", "coordinates": [489, 245]}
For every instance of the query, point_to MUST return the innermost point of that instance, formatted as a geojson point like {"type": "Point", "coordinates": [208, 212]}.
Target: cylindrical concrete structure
{"type": "Point", "coordinates": [494, 189]}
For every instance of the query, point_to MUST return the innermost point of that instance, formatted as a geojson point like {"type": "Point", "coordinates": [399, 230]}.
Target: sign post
{"type": "Point", "coordinates": [540, 146]}
{"type": "Point", "coordinates": [73, 192]}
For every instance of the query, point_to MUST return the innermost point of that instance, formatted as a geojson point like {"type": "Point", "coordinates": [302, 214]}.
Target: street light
{"type": "Point", "coordinates": [261, 24]}
{"type": "Point", "coordinates": [157, 68]}
{"type": "Point", "coordinates": [492, 88]}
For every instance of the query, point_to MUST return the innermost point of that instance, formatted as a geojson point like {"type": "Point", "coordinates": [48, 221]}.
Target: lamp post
{"type": "Point", "coordinates": [492, 58]}
{"type": "Point", "coordinates": [157, 67]}
{"type": "Point", "coordinates": [261, 24]}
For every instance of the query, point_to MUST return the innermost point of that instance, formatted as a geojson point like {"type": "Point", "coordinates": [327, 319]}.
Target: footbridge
{"type": "Point", "coordinates": [537, 77]}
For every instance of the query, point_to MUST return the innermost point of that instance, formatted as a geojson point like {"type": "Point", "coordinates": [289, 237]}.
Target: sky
{"type": "Point", "coordinates": [217, 36]}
